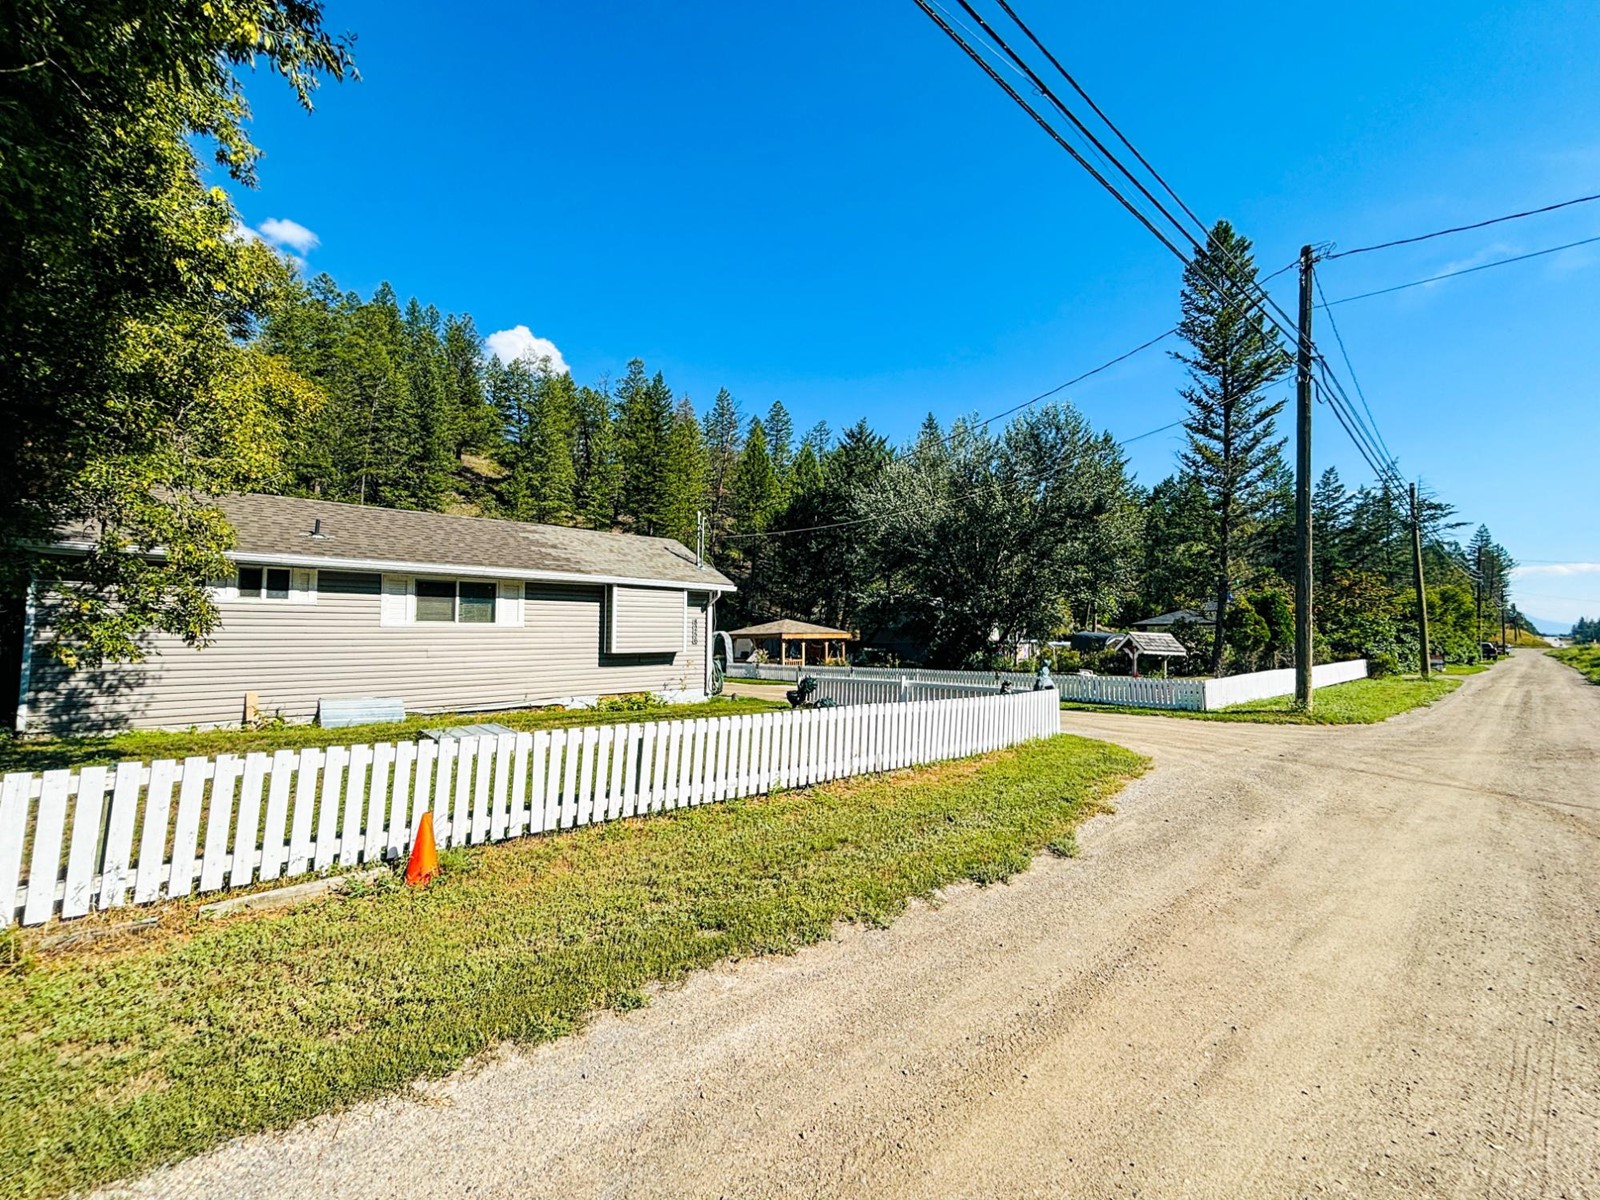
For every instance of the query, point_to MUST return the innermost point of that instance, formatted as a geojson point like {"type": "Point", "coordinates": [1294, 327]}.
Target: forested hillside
{"type": "Point", "coordinates": [963, 542]}
{"type": "Point", "coordinates": [158, 355]}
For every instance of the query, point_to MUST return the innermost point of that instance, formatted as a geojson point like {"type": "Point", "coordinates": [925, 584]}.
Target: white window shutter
{"type": "Point", "coordinates": [508, 606]}
{"type": "Point", "coordinates": [398, 603]}
{"type": "Point", "coordinates": [302, 586]}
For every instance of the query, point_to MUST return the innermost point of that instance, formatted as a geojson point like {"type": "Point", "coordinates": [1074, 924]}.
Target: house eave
{"type": "Point", "coordinates": [398, 567]}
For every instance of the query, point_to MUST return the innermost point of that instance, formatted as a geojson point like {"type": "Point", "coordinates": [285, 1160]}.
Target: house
{"type": "Point", "coordinates": [791, 642]}
{"type": "Point", "coordinates": [447, 613]}
{"type": "Point", "coordinates": [1205, 616]}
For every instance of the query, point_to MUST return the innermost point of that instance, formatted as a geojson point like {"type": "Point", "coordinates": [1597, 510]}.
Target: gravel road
{"type": "Point", "coordinates": [1297, 961]}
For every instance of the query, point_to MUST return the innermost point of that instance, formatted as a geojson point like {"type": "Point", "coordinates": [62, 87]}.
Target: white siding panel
{"type": "Point", "coordinates": [345, 647]}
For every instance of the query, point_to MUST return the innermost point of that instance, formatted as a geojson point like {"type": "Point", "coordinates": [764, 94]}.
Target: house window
{"type": "Point", "coordinates": [271, 583]}
{"type": "Point", "coordinates": [466, 602]}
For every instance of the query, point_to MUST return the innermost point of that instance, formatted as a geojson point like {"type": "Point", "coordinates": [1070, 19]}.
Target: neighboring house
{"type": "Point", "coordinates": [340, 601]}
{"type": "Point", "coordinates": [797, 643]}
{"type": "Point", "coordinates": [1204, 616]}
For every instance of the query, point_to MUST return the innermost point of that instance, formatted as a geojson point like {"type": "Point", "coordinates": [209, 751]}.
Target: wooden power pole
{"type": "Point", "coordinates": [1422, 592]}
{"type": "Point", "coordinates": [1302, 492]}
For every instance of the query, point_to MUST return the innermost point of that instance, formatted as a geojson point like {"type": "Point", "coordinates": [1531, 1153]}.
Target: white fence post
{"type": "Point", "coordinates": [294, 812]}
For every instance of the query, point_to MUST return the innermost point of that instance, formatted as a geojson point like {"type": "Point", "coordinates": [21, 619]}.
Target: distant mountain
{"type": "Point", "coordinates": [1546, 626]}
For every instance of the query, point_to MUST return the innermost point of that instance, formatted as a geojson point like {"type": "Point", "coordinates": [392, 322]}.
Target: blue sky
{"type": "Point", "coordinates": [829, 205]}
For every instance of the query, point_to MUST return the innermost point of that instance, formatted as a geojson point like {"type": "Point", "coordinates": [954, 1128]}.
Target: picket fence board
{"type": "Point", "coordinates": [93, 836]}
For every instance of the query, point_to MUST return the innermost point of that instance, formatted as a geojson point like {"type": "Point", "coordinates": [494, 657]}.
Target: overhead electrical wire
{"type": "Point", "coordinates": [1354, 380]}
{"type": "Point", "coordinates": [1363, 433]}
{"type": "Point", "coordinates": [1423, 237]}
{"type": "Point", "coordinates": [1499, 262]}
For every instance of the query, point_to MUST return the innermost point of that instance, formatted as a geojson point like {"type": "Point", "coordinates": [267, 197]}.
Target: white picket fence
{"type": "Point", "coordinates": [102, 837]}
{"type": "Point", "coordinates": [1184, 694]}
{"type": "Point", "coordinates": [1264, 685]}
{"type": "Point", "coordinates": [990, 680]}
{"type": "Point", "coordinates": [858, 689]}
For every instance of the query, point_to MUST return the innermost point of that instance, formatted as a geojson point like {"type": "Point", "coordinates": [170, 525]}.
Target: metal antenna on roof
{"type": "Point", "coordinates": [699, 540]}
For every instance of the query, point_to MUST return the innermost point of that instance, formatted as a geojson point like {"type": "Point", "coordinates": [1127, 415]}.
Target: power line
{"type": "Point", "coordinates": [1046, 126]}
{"type": "Point", "coordinates": [1423, 237]}
{"type": "Point", "coordinates": [1204, 255]}
{"type": "Point", "coordinates": [1345, 354]}
{"type": "Point", "coordinates": [1499, 262]}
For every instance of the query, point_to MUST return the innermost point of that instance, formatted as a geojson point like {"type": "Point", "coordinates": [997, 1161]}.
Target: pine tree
{"type": "Point", "coordinates": [543, 480]}
{"type": "Point", "coordinates": [644, 423]}
{"type": "Point", "coordinates": [780, 442]}
{"type": "Point", "coordinates": [597, 483]}
{"type": "Point", "coordinates": [755, 483]}
{"type": "Point", "coordinates": [686, 475]}
{"type": "Point", "coordinates": [1232, 449]}
{"type": "Point", "coordinates": [476, 428]}
{"type": "Point", "coordinates": [722, 456]}
{"type": "Point", "coordinates": [1330, 527]}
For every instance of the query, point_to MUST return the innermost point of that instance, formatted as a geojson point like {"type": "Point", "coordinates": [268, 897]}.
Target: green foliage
{"type": "Point", "coordinates": [126, 393]}
{"type": "Point", "coordinates": [1233, 451]}
{"type": "Point", "coordinates": [1584, 659]}
{"type": "Point", "coordinates": [982, 537]}
{"type": "Point", "coordinates": [198, 1031]}
{"type": "Point", "coordinates": [1585, 632]}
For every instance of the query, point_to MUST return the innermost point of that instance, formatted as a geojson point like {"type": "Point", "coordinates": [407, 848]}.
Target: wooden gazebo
{"type": "Point", "coordinates": [793, 643]}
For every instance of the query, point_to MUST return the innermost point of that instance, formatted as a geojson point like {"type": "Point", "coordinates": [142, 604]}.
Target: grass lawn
{"type": "Point", "coordinates": [1583, 659]}
{"type": "Point", "coordinates": [158, 1044]}
{"type": "Point", "coordinates": [1463, 669]}
{"type": "Point", "coordinates": [42, 754]}
{"type": "Point", "coordinates": [1362, 702]}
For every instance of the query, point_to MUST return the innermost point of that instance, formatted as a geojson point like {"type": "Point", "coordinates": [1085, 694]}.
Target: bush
{"type": "Point", "coordinates": [1381, 663]}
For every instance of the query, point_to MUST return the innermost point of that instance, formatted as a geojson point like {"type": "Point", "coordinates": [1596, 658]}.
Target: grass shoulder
{"type": "Point", "coordinates": [1361, 702]}
{"type": "Point", "coordinates": [40, 754]}
{"type": "Point", "coordinates": [156, 1045]}
{"type": "Point", "coordinates": [1583, 659]}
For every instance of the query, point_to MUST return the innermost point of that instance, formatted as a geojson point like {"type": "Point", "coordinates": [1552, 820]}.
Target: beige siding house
{"type": "Point", "coordinates": [343, 602]}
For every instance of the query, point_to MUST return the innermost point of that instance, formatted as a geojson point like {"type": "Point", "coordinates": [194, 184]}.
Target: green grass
{"type": "Point", "coordinates": [29, 754]}
{"type": "Point", "coordinates": [1362, 702]}
{"type": "Point", "coordinates": [1464, 668]}
{"type": "Point", "coordinates": [156, 1045]}
{"type": "Point", "coordinates": [1583, 659]}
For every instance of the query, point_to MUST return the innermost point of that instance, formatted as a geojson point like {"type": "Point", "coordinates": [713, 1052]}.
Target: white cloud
{"type": "Point", "coordinates": [243, 233]}
{"type": "Point", "coordinates": [286, 234]}
{"type": "Point", "coordinates": [1557, 569]}
{"type": "Point", "coordinates": [520, 342]}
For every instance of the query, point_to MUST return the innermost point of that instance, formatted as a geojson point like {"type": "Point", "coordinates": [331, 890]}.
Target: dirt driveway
{"type": "Point", "coordinates": [1296, 962]}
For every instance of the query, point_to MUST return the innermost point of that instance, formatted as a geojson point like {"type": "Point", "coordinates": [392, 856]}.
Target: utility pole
{"type": "Point", "coordinates": [1422, 592]}
{"type": "Point", "coordinates": [1302, 493]}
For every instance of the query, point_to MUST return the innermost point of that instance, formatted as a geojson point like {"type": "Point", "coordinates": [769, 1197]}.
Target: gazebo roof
{"type": "Point", "coordinates": [787, 628]}
{"type": "Point", "coordinates": [1163, 645]}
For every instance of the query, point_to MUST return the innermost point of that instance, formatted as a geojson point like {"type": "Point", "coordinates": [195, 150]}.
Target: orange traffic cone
{"type": "Point", "coordinates": [424, 862]}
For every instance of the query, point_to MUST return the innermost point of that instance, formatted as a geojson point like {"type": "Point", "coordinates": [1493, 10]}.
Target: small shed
{"type": "Point", "coordinates": [792, 643]}
{"type": "Point", "coordinates": [1154, 645]}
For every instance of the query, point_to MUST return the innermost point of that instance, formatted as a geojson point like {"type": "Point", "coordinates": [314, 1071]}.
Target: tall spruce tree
{"type": "Point", "coordinates": [1233, 450]}
{"type": "Point", "coordinates": [597, 486]}
{"type": "Point", "coordinates": [686, 475]}
{"type": "Point", "coordinates": [722, 457]}
{"type": "Point", "coordinates": [644, 423]}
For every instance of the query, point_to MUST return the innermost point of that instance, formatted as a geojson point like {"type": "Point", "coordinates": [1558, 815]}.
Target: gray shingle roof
{"type": "Point", "coordinates": [278, 528]}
